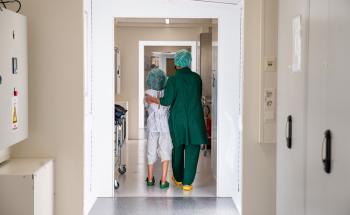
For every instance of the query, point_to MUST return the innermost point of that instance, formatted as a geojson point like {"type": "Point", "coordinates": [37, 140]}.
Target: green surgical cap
{"type": "Point", "coordinates": [156, 79]}
{"type": "Point", "coordinates": [183, 58]}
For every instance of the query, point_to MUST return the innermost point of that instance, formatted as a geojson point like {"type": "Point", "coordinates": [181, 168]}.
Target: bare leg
{"type": "Point", "coordinates": [164, 171]}
{"type": "Point", "coordinates": [150, 173]}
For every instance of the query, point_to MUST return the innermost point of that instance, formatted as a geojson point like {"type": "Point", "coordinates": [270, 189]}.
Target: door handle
{"type": "Point", "coordinates": [213, 80]}
{"type": "Point", "coordinates": [327, 159]}
{"type": "Point", "coordinates": [289, 131]}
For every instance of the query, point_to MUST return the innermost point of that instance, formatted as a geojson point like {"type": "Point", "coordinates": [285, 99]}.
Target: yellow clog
{"type": "Point", "coordinates": [187, 187]}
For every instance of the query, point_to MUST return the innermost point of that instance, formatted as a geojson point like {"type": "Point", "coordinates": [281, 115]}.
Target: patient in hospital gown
{"type": "Point", "coordinates": [159, 141]}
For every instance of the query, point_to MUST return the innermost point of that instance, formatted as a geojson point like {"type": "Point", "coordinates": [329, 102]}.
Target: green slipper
{"type": "Point", "coordinates": [150, 183]}
{"type": "Point", "coordinates": [164, 185]}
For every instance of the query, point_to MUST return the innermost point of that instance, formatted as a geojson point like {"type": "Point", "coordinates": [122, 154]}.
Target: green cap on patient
{"type": "Point", "coordinates": [183, 58]}
{"type": "Point", "coordinates": [156, 79]}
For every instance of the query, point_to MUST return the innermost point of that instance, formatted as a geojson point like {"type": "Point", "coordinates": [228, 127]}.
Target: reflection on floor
{"type": "Point", "coordinates": [132, 183]}
{"type": "Point", "coordinates": [164, 206]}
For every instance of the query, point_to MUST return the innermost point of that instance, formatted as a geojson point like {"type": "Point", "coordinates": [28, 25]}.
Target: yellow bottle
{"type": "Point", "coordinates": [14, 118]}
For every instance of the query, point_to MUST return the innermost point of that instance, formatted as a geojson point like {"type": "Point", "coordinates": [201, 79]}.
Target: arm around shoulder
{"type": "Point", "coordinates": [169, 93]}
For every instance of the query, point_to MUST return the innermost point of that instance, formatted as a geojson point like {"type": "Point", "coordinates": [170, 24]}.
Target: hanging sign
{"type": "Point", "coordinates": [296, 27]}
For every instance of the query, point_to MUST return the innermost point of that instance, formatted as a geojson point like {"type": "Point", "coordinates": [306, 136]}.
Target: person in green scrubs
{"type": "Point", "coordinates": [183, 93]}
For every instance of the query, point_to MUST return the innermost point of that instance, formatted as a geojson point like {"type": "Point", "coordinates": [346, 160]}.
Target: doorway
{"type": "Point", "coordinates": [229, 75]}
{"type": "Point", "coordinates": [158, 51]}
{"type": "Point", "coordinates": [161, 52]}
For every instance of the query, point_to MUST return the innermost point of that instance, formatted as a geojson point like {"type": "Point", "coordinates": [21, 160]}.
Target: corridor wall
{"type": "Point", "coordinates": [56, 65]}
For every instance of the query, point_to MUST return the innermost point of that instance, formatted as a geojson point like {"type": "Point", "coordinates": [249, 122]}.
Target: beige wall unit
{"type": "Point", "coordinates": [26, 187]}
{"type": "Point", "coordinates": [259, 160]}
{"type": "Point", "coordinates": [13, 80]}
{"type": "Point", "coordinates": [268, 73]}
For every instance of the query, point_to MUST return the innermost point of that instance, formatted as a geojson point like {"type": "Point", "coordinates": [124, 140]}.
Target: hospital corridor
{"type": "Point", "coordinates": [163, 107]}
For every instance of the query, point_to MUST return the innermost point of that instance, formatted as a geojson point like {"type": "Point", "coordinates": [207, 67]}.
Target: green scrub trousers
{"type": "Point", "coordinates": [184, 162]}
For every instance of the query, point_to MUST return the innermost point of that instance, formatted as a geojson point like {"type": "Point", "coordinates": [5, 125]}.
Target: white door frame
{"type": "Point", "coordinates": [142, 44]}
{"type": "Point", "coordinates": [229, 81]}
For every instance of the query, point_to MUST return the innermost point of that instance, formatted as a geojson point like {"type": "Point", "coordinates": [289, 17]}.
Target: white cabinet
{"type": "Point", "coordinates": [328, 108]}
{"type": "Point", "coordinates": [291, 101]}
{"type": "Point", "coordinates": [26, 187]}
{"type": "Point", "coordinates": [318, 99]}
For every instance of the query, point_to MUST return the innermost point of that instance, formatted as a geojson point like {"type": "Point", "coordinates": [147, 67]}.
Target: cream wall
{"type": "Point", "coordinates": [55, 38]}
{"type": "Point", "coordinates": [127, 40]}
{"type": "Point", "coordinates": [259, 160]}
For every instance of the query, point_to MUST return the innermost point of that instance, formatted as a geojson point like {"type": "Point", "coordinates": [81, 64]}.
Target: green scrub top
{"type": "Point", "coordinates": [183, 93]}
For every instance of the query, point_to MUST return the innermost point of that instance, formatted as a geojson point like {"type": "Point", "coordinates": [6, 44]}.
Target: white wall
{"type": "Point", "coordinates": [89, 177]}
{"type": "Point", "coordinates": [55, 39]}
{"type": "Point", "coordinates": [259, 160]}
{"type": "Point", "coordinates": [127, 40]}
{"type": "Point", "coordinates": [103, 97]}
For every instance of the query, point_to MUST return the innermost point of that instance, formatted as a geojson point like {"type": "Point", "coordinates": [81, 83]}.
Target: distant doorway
{"type": "Point", "coordinates": [170, 67]}
{"type": "Point", "coordinates": [162, 63]}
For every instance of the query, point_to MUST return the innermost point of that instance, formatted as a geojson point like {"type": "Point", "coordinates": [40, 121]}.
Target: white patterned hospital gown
{"type": "Point", "coordinates": [159, 140]}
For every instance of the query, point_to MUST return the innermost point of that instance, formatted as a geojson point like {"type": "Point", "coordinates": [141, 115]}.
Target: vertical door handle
{"type": "Point", "coordinates": [213, 80]}
{"type": "Point", "coordinates": [289, 131]}
{"type": "Point", "coordinates": [327, 151]}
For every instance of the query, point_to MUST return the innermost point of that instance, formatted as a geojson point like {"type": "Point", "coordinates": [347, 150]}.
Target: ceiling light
{"type": "Point", "coordinates": [167, 21]}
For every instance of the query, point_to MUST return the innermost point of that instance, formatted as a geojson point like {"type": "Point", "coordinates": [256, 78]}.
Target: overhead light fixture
{"type": "Point", "coordinates": [167, 21]}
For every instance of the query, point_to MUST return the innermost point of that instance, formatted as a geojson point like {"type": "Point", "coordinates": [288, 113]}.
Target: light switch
{"type": "Point", "coordinates": [270, 64]}
{"type": "Point", "coordinates": [269, 103]}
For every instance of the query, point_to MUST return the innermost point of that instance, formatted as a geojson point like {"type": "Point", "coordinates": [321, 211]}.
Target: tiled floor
{"type": "Point", "coordinates": [134, 197]}
{"type": "Point", "coordinates": [164, 206]}
{"type": "Point", "coordinates": [132, 183]}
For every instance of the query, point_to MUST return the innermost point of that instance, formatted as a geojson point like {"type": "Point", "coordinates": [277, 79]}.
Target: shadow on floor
{"type": "Point", "coordinates": [164, 206]}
